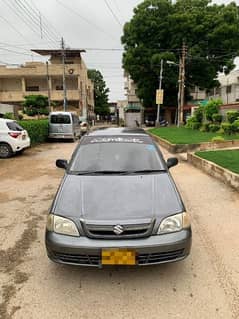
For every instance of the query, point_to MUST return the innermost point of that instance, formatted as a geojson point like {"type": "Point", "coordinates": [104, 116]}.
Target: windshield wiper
{"type": "Point", "coordinates": [145, 171]}
{"type": "Point", "coordinates": [103, 172]}
{"type": "Point", "coordinates": [110, 172]}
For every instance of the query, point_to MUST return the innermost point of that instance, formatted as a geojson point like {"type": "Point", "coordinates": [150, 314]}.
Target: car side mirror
{"type": "Point", "coordinates": [61, 163]}
{"type": "Point", "coordinates": [172, 161]}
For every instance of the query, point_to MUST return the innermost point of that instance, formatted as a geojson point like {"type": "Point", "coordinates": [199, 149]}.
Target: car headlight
{"type": "Point", "coordinates": [174, 223]}
{"type": "Point", "coordinates": [61, 225]}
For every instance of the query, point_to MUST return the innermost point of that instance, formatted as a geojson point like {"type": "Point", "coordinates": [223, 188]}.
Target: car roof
{"type": "Point", "coordinates": [6, 120]}
{"type": "Point", "coordinates": [61, 112]}
{"type": "Point", "coordinates": [112, 131]}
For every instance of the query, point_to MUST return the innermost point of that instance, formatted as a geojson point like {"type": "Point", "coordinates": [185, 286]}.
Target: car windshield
{"type": "Point", "coordinates": [14, 126]}
{"type": "Point", "coordinates": [60, 119]}
{"type": "Point", "coordinates": [116, 155]}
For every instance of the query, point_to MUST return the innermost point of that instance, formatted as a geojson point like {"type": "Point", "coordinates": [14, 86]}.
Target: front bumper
{"type": "Point", "coordinates": [84, 251]}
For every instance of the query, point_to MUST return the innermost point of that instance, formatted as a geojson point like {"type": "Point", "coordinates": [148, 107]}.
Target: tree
{"type": "Point", "coordinates": [157, 31]}
{"type": "Point", "coordinates": [100, 92]}
{"type": "Point", "coordinates": [36, 104]}
{"type": "Point", "coordinates": [36, 101]}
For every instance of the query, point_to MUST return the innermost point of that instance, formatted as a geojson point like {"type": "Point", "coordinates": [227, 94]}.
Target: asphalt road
{"type": "Point", "coordinates": [205, 285]}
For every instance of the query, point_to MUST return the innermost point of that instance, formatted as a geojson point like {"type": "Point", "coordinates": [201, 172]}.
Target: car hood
{"type": "Point", "coordinates": [117, 198]}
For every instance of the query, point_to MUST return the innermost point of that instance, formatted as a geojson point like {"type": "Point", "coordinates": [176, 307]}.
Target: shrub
{"type": "Point", "coordinates": [211, 108]}
{"type": "Point", "coordinates": [37, 130]}
{"type": "Point", "coordinates": [193, 123]}
{"type": "Point", "coordinates": [44, 111]}
{"type": "Point", "coordinates": [217, 118]}
{"type": "Point", "coordinates": [31, 112]}
{"type": "Point", "coordinates": [198, 114]}
{"type": "Point", "coordinates": [232, 116]}
{"type": "Point", "coordinates": [214, 127]}
{"type": "Point", "coordinates": [9, 116]}
{"type": "Point", "coordinates": [235, 126]}
{"type": "Point", "coordinates": [205, 127]}
{"type": "Point", "coordinates": [218, 139]}
{"type": "Point", "coordinates": [227, 127]}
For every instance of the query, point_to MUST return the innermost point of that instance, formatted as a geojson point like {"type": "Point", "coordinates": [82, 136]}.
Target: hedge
{"type": "Point", "coordinates": [37, 130]}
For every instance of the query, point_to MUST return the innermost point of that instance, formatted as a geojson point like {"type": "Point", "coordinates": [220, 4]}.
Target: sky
{"type": "Point", "coordinates": [84, 24]}
{"type": "Point", "coordinates": [94, 25]}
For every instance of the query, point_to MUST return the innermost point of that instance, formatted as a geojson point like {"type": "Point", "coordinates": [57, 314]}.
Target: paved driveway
{"type": "Point", "coordinates": [206, 285]}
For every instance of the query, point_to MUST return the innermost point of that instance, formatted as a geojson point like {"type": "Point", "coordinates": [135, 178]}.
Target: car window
{"type": "Point", "coordinates": [14, 126]}
{"type": "Point", "coordinates": [117, 156]}
{"type": "Point", "coordinates": [60, 119]}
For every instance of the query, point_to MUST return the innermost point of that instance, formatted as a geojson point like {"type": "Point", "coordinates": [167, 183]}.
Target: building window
{"type": "Point", "coordinates": [32, 88]}
{"type": "Point", "coordinates": [59, 87]}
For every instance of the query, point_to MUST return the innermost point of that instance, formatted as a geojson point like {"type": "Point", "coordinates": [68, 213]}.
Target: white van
{"type": "Point", "coordinates": [64, 125]}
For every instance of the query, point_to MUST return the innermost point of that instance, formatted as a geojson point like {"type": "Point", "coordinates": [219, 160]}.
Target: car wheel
{"type": "Point", "coordinates": [5, 150]}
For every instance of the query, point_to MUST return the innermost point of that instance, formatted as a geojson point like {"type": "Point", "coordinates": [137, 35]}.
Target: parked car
{"type": "Point", "coordinates": [13, 138]}
{"type": "Point", "coordinates": [64, 125]}
{"type": "Point", "coordinates": [117, 204]}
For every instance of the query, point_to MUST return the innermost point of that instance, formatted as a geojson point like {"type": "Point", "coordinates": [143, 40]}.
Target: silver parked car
{"type": "Point", "coordinates": [64, 125]}
{"type": "Point", "coordinates": [117, 204]}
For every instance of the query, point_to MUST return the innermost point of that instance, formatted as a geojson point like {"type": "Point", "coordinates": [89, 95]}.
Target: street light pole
{"type": "Point", "coordinates": [182, 64]}
{"type": "Point", "coordinates": [64, 74]}
{"type": "Point", "coordinates": [160, 87]}
{"type": "Point", "coordinates": [48, 87]}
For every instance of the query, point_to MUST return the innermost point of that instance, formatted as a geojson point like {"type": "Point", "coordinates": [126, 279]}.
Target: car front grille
{"type": "Point", "coordinates": [129, 231]}
{"type": "Point", "coordinates": [147, 259]}
{"type": "Point", "coordinates": [88, 260]}
{"type": "Point", "coordinates": [141, 259]}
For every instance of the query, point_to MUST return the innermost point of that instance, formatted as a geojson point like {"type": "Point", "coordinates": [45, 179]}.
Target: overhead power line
{"type": "Point", "coordinates": [33, 20]}
{"type": "Point", "coordinates": [24, 14]}
{"type": "Point", "coordinates": [15, 29]}
{"type": "Point", "coordinates": [84, 19]}
{"type": "Point", "coordinates": [113, 14]}
{"type": "Point", "coordinates": [48, 23]}
{"type": "Point", "coordinates": [16, 52]}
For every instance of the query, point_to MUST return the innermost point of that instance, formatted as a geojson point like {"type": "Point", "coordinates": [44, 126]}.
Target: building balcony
{"type": "Point", "coordinates": [18, 96]}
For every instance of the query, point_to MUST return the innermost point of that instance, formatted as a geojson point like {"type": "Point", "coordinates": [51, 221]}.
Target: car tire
{"type": "Point", "coordinates": [5, 150]}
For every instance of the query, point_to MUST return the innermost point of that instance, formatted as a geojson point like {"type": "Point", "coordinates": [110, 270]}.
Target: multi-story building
{"type": "Point", "coordinates": [229, 88]}
{"type": "Point", "coordinates": [47, 79]}
{"type": "Point", "coordinates": [121, 104]}
{"type": "Point", "coordinates": [130, 88]}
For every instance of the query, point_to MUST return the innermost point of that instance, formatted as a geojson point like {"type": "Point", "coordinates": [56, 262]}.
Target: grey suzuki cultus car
{"type": "Point", "coordinates": [117, 204]}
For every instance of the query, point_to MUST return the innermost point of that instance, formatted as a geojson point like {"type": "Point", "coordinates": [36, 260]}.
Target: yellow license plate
{"type": "Point", "coordinates": [118, 257]}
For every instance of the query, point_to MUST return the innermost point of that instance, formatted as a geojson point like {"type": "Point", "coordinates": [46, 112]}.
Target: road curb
{"type": "Point", "coordinates": [185, 148]}
{"type": "Point", "coordinates": [214, 170]}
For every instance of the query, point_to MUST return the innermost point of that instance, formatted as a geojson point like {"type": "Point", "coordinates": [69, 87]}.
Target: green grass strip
{"type": "Point", "coordinates": [182, 135]}
{"type": "Point", "coordinates": [228, 159]}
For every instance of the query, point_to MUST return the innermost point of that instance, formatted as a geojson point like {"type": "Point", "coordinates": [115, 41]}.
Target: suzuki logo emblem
{"type": "Point", "coordinates": [118, 229]}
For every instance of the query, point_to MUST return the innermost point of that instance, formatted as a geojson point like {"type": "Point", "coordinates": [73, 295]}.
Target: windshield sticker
{"type": "Point", "coordinates": [150, 147]}
{"type": "Point", "coordinates": [116, 140]}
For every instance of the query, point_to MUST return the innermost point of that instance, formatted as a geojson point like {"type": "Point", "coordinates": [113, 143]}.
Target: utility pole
{"type": "Point", "coordinates": [48, 87]}
{"type": "Point", "coordinates": [160, 87]}
{"type": "Point", "coordinates": [64, 73]}
{"type": "Point", "coordinates": [184, 52]}
{"type": "Point", "coordinates": [177, 117]}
